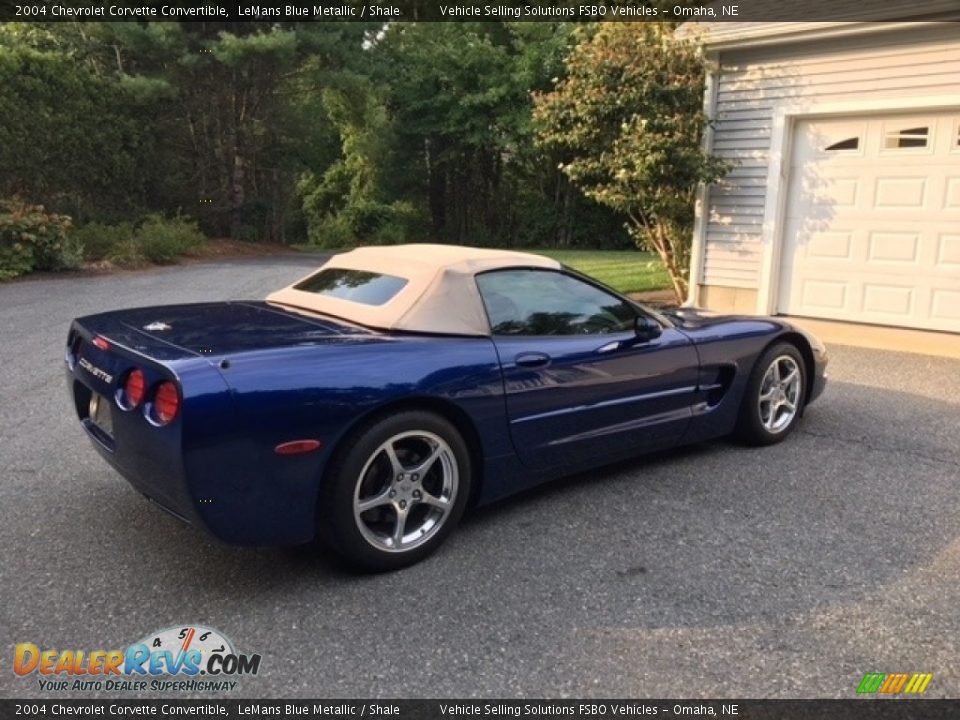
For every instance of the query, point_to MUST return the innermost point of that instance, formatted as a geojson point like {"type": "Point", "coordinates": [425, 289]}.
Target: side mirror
{"type": "Point", "coordinates": [646, 328]}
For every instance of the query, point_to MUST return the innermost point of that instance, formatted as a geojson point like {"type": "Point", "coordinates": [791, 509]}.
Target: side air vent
{"type": "Point", "coordinates": [715, 381]}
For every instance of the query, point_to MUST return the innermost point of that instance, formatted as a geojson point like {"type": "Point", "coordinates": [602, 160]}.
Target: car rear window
{"type": "Point", "coordinates": [357, 286]}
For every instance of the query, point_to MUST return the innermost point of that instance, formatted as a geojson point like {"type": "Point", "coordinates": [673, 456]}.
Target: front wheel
{"type": "Point", "coordinates": [773, 399]}
{"type": "Point", "coordinates": [396, 490]}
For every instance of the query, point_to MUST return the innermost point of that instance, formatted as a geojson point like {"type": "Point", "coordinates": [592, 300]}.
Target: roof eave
{"type": "Point", "coordinates": [763, 34]}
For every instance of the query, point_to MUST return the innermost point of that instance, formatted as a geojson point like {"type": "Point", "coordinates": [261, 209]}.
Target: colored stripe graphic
{"type": "Point", "coordinates": [894, 683]}
{"type": "Point", "coordinates": [871, 683]}
{"type": "Point", "coordinates": [918, 683]}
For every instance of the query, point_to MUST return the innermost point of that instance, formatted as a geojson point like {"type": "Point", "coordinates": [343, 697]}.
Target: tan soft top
{"type": "Point", "coordinates": [440, 295]}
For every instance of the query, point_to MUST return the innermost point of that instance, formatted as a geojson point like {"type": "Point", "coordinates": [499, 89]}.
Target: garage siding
{"type": "Point", "coordinates": [750, 85]}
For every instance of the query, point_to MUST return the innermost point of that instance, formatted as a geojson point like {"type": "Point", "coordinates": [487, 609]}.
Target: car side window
{"type": "Point", "coordinates": [547, 302]}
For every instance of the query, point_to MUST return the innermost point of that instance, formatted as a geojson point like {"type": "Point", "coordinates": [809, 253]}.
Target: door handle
{"type": "Point", "coordinates": [532, 359]}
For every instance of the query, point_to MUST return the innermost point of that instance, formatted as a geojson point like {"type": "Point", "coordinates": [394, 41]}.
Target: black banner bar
{"type": "Point", "coordinates": [473, 10]}
{"type": "Point", "coordinates": [853, 709]}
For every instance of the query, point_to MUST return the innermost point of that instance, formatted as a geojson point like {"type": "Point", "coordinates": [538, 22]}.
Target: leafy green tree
{"type": "Point", "coordinates": [70, 138]}
{"type": "Point", "coordinates": [348, 202]}
{"type": "Point", "coordinates": [223, 104]}
{"type": "Point", "coordinates": [272, 131]}
{"type": "Point", "coordinates": [460, 96]}
{"type": "Point", "coordinates": [629, 116]}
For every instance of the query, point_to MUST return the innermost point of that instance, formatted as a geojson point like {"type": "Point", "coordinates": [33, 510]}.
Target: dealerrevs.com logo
{"type": "Point", "coordinates": [189, 658]}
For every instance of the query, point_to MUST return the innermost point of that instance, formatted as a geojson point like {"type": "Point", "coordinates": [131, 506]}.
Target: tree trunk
{"type": "Point", "coordinates": [237, 193]}
{"type": "Point", "coordinates": [436, 188]}
{"type": "Point", "coordinates": [657, 235]}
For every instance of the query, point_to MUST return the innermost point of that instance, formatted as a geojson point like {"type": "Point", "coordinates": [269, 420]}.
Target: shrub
{"type": "Point", "coordinates": [158, 240]}
{"type": "Point", "coordinates": [15, 259]}
{"type": "Point", "coordinates": [32, 239]}
{"type": "Point", "coordinates": [365, 221]}
{"type": "Point", "coordinates": [99, 240]}
{"type": "Point", "coordinates": [403, 223]}
{"type": "Point", "coordinates": [162, 240]}
{"type": "Point", "coordinates": [330, 232]}
{"type": "Point", "coordinates": [126, 253]}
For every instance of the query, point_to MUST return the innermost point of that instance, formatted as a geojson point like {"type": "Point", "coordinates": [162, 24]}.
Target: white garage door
{"type": "Point", "coordinates": [872, 230]}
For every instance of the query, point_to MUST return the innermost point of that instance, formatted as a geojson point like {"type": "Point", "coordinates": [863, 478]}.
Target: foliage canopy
{"type": "Point", "coordinates": [507, 133]}
{"type": "Point", "coordinates": [628, 117]}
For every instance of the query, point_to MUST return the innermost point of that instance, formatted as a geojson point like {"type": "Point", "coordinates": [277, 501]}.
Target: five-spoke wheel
{"type": "Point", "coordinates": [394, 490]}
{"type": "Point", "coordinates": [779, 397]}
{"type": "Point", "coordinates": [405, 491]}
{"type": "Point", "coordinates": [774, 396]}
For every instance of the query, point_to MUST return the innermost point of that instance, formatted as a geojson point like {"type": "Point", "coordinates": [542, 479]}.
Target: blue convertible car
{"type": "Point", "coordinates": [371, 402]}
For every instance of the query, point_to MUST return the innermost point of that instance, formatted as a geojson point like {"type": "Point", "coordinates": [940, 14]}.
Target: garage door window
{"type": "Point", "coordinates": [848, 144]}
{"type": "Point", "coordinates": [914, 137]}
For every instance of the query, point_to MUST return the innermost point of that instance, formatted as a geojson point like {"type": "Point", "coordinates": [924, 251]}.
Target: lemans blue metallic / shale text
{"type": "Point", "coordinates": [370, 403]}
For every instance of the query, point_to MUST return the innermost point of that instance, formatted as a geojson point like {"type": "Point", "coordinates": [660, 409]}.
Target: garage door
{"type": "Point", "coordinates": [872, 231]}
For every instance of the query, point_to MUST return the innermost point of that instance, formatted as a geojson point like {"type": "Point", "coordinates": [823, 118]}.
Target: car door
{"type": "Point", "coordinates": [582, 382]}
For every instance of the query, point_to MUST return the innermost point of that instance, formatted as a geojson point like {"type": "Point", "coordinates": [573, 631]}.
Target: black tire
{"type": "Point", "coordinates": [753, 425]}
{"type": "Point", "coordinates": [354, 537]}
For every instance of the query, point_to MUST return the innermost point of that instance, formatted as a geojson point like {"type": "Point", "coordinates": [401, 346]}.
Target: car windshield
{"type": "Point", "coordinates": [359, 286]}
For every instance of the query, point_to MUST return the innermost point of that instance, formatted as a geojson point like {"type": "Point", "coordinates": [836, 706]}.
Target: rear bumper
{"type": "Point", "coordinates": [228, 489]}
{"type": "Point", "coordinates": [206, 468]}
{"type": "Point", "coordinates": [150, 464]}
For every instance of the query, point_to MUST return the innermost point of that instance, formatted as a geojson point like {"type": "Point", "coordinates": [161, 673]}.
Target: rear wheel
{"type": "Point", "coordinates": [773, 399]}
{"type": "Point", "coordinates": [395, 492]}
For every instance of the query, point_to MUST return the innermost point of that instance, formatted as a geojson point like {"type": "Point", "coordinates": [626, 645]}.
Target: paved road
{"type": "Point", "coordinates": [715, 571]}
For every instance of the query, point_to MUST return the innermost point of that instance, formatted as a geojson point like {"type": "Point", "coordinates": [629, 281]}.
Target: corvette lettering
{"type": "Point", "coordinates": [95, 371]}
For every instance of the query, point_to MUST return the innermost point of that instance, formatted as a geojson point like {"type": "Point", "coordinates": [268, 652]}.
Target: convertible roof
{"type": "Point", "coordinates": [440, 295]}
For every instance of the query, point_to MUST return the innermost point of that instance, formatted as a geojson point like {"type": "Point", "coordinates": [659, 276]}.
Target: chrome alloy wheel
{"type": "Point", "coordinates": [405, 491]}
{"type": "Point", "coordinates": [779, 398]}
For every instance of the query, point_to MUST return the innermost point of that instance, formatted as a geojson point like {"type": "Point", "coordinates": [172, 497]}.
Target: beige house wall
{"type": "Point", "coordinates": [741, 301]}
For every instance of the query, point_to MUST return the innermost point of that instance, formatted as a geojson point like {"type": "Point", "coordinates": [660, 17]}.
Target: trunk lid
{"type": "Point", "coordinates": [169, 332]}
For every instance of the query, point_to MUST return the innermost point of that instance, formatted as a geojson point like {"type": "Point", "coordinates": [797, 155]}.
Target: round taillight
{"type": "Point", "coordinates": [134, 388]}
{"type": "Point", "coordinates": [166, 403]}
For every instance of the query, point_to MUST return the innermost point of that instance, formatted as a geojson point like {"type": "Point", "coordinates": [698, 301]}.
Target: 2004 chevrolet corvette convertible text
{"type": "Point", "coordinates": [368, 404]}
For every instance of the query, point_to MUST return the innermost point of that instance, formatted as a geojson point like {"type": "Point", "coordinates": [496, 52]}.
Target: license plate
{"type": "Point", "coordinates": [100, 413]}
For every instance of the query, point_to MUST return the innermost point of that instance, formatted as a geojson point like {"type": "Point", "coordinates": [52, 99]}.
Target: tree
{"type": "Point", "coordinates": [460, 96]}
{"type": "Point", "coordinates": [629, 116]}
{"type": "Point", "coordinates": [69, 138]}
{"type": "Point", "coordinates": [215, 119]}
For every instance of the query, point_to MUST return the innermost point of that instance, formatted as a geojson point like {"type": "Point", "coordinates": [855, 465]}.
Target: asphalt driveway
{"type": "Point", "coordinates": [712, 571]}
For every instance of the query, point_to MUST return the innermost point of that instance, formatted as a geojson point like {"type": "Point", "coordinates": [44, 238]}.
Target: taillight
{"type": "Point", "coordinates": [166, 403]}
{"type": "Point", "coordinates": [134, 388]}
{"type": "Point", "coordinates": [101, 342]}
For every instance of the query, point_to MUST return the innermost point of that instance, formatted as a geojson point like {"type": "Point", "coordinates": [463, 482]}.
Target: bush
{"type": "Point", "coordinates": [126, 253]}
{"type": "Point", "coordinates": [15, 259]}
{"type": "Point", "coordinates": [163, 240]}
{"type": "Point", "coordinates": [32, 239]}
{"type": "Point", "coordinates": [367, 222]}
{"type": "Point", "coordinates": [157, 240]}
{"type": "Point", "coordinates": [100, 241]}
{"type": "Point", "coordinates": [330, 232]}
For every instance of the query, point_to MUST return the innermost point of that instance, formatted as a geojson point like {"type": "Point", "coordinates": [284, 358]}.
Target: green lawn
{"type": "Point", "coordinates": [623, 270]}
